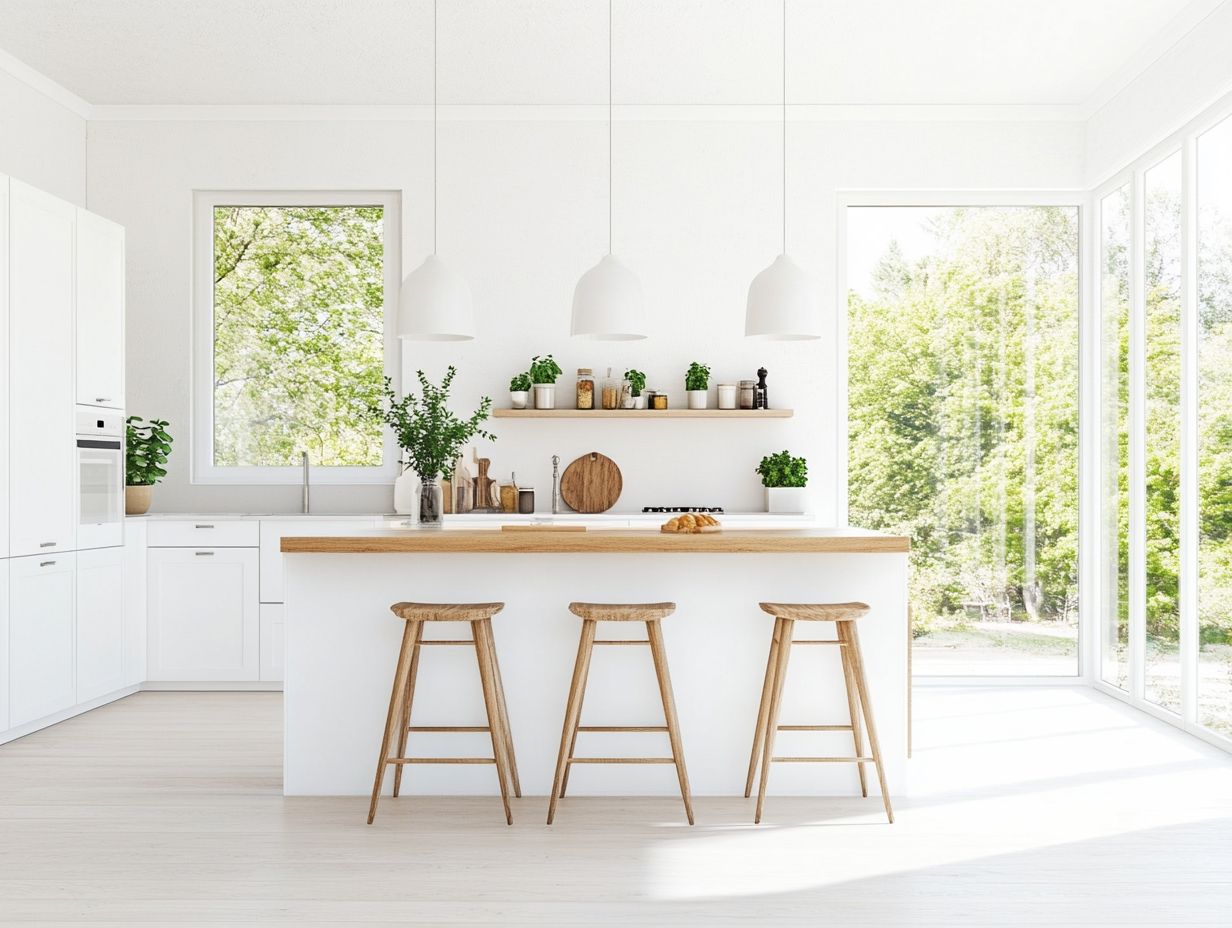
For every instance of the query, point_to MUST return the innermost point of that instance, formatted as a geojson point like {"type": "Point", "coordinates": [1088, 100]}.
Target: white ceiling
{"type": "Point", "coordinates": [892, 52]}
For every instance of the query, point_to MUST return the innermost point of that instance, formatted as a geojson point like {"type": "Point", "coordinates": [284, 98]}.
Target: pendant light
{"type": "Point", "coordinates": [608, 303]}
{"type": "Point", "coordinates": [783, 301]}
{"type": "Point", "coordinates": [435, 303]}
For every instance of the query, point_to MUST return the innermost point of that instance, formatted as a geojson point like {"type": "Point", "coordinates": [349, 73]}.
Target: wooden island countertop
{"type": "Point", "coordinates": [603, 541]}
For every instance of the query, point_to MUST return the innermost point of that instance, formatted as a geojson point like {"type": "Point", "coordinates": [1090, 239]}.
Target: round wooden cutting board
{"type": "Point", "coordinates": [592, 483]}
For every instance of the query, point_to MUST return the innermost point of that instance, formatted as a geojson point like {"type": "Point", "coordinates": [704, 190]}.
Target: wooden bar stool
{"type": "Point", "coordinates": [591, 614]}
{"type": "Point", "coordinates": [844, 616]}
{"type": "Point", "coordinates": [398, 721]}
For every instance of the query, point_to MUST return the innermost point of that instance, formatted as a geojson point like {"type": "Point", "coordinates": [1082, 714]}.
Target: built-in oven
{"type": "Point", "coordinates": [100, 477]}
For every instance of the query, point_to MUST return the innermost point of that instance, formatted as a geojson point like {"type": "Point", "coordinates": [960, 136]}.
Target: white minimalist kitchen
{"type": "Point", "coordinates": [631, 462]}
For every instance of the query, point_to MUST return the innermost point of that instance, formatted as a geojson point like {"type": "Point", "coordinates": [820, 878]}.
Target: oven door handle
{"type": "Point", "coordinates": [107, 445]}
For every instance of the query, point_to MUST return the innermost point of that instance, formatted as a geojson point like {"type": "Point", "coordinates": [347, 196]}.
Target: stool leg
{"type": "Point", "coordinates": [392, 718]}
{"type": "Point", "coordinates": [495, 728]}
{"type": "Point", "coordinates": [772, 722]}
{"type": "Point", "coordinates": [655, 633]}
{"type": "Point", "coordinates": [404, 728]}
{"type": "Point", "coordinates": [853, 706]}
{"type": "Point", "coordinates": [763, 709]}
{"type": "Point", "coordinates": [490, 644]}
{"type": "Point", "coordinates": [564, 781]}
{"type": "Point", "coordinates": [847, 630]}
{"type": "Point", "coordinates": [573, 711]}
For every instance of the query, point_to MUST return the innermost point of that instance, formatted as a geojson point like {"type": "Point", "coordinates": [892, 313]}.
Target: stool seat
{"type": "Point", "coordinates": [816, 612]}
{"type": "Point", "coordinates": [445, 612]}
{"type": "Point", "coordinates": [622, 612]}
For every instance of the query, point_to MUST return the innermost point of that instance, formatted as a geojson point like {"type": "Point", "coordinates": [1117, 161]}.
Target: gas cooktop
{"type": "Point", "coordinates": [717, 509]}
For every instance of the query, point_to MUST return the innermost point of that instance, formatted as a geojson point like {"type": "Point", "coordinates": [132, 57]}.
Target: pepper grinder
{"type": "Point", "coordinates": [761, 386]}
{"type": "Point", "coordinates": [555, 484]}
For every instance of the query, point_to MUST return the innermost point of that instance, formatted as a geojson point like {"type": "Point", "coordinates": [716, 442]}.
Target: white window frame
{"type": "Point", "coordinates": [1184, 140]}
{"type": "Point", "coordinates": [204, 470]}
{"type": "Point", "coordinates": [1088, 400]}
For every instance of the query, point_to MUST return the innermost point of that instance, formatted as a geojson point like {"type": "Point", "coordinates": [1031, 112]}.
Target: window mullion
{"type": "Point", "coordinates": [1137, 441]}
{"type": "Point", "coordinates": [1189, 436]}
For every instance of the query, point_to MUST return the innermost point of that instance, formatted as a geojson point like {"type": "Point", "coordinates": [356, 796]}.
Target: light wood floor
{"type": "Point", "coordinates": [1045, 806]}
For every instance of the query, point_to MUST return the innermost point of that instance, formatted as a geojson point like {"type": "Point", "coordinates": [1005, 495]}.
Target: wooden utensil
{"type": "Point", "coordinates": [592, 483]}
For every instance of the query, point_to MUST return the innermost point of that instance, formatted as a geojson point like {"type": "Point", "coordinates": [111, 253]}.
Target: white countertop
{"type": "Point", "coordinates": [488, 519]}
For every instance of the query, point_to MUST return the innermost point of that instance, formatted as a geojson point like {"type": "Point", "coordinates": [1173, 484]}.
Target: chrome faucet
{"type": "Point", "coordinates": [555, 484]}
{"type": "Point", "coordinates": [307, 507]}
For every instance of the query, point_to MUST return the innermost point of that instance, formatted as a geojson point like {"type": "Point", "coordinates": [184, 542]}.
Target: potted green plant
{"type": "Point", "coordinates": [519, 390]}
{"type": "Point", "coordinates": [147, 445]}
{"type": "Point", "coordinates": [543, 374]}
{"type": "Point", "coordinates": [697, 385]}
{"type": "Point", "coordinates": [785, 479]}
{"type": "Point", "coordinates": [431, 436]}
{"type": "Point", "coordinates": [631, 395]}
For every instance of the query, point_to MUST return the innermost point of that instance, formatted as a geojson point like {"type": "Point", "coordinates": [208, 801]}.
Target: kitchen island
{"type": "Point", "coordinates": [342, 644]}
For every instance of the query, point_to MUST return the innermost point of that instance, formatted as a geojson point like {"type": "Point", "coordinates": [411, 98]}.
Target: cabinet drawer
{"type": "Point", "coordinates": [202, 533]}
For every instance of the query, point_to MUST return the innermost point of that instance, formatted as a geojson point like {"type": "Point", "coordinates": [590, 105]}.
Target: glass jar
{"type": "Point", "coordinates": [585, 388]}
{"type": "Point", "coordinates": [526, 500]}
{"type": "Point", "coordinates": [611, 392]}
{"type": "Point", "coordinates": [430, 504]}
{"type": "Point", "coordinates": [746, 393]}
{"type": "Point", "coordinates": [660, 401]}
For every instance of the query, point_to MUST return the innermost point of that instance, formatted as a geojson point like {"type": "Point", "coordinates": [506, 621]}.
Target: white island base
{"type": "Point", "coordinates": [342, 644]}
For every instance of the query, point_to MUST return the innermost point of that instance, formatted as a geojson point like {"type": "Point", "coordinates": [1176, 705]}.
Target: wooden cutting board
{"type": "Point", "coordinates": [592, 483]}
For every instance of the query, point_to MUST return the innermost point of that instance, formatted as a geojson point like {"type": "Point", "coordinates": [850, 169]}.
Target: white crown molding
{"type": "Point", "coordinates": [36, 80]}
{"type": "Point", "coordinates": [597, 112]}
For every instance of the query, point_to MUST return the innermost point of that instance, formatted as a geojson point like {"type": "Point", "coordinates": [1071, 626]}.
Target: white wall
{"type": "Point", "coordinates": [41, 142]}
{"type": "Point", "coordinates": [1194, 73]}
{"type": "Point", "coordinates": [522, 215]}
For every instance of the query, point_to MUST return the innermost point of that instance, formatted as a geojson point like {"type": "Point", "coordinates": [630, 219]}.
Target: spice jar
{"type": "Point", "coordinates": [746, 394]}
{"type": "Point", "coordinates": [660, 401]}
{"type": "Point", "coordinates": [526, 500]}
{"type": "Point", "coordinates": [611, 392]}
{"type": "Point", "coordinates": [585, 388]}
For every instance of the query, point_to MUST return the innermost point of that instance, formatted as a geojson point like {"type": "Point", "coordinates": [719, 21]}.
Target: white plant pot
{"type": "Point", "coordinates": [545, 396]}
{"type": "Point", "coordinates": [786, 499]}
{"type": "Point", "coordinates": [519, 398]}
{"type": "Point", "coordinates": [639, 401]}
{"type": "Point", "coordinates": [698, 398]}
{"type": "Point", "coordinates": [406, 494]}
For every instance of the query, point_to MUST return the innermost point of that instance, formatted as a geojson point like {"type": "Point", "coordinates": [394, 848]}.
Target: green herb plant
{"type": "Point", "coordinates": [427, 430]}
{"type": "Point", "coordinates": [544, 370]}
{"type": "Point", "coordinates": [637, 381]}
{"type": "Point", "coordinates": [520, 383]}
{"type": "Point", "coordinates": [697, 377]}
{"type": "Point", "coordinates": [782, 470]}
{"type": "Point", "coordinates": [147, 447]}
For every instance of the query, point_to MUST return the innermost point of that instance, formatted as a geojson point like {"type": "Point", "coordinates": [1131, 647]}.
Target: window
{"type": "Point", "coordinates": [963, 404]}
{"type": "Point", "coordinates": [292, 346]}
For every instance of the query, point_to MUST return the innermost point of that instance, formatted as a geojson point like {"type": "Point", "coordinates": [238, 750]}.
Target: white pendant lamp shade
{"type": "Point", "coordinates": [434, 304]}
{"type": "Point", "coordinates": [608, 303]}
{"type": "Point", "coordinates": [783, 303]}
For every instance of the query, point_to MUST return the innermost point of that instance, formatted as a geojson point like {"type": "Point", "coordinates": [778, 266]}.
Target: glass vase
{"type": "Point", "coordinates": [431, 504]}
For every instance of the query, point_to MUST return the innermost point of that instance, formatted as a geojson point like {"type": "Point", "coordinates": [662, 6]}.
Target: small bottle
{"type": "Point", "coordinates": [526, 500]}
{"type": "Point", "coordinates": [611, 392]}
{"type": "Point", "coordinates": [509, 494]}
{"type": "Point", "coordinates": [585, 388]}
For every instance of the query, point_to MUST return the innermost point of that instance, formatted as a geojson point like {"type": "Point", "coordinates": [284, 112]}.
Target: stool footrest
{"type": "Point", "coordinates": [822, 760]}
{"type": "Point", "coordinates": [450, 728]}
{"type": "Point", "coordinates": [622, 728]}
{"type": "Point", "coordinates": [441, 760]}
{"type": "Point", "coordinates": [622, 760]}
{"type": "Point", "coordinates": [819, 641]}
{"type": "Point", "coordinates": [814, 728]}
{"type": "Point", "coordinates": [623, 641]}
{"type": "Point", "coordinates": [447, 641]}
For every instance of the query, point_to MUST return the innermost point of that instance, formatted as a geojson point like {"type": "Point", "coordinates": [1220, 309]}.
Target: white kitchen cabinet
{"type": "Point", "coordinates": [204, 618]}
{"type": "Point", "coordinates": [42, 472]}
{"type": "Point", "coordinates": [100, 311]}
{"type": "Point", "coordinates": [41, 676]}
{"type": "Point", "coordinates": [100, 622]}
{"type": "Point", "coordinates": [4, 645]}
{"type": "Point", "coordinates": [135, 591]}
{"type": "Point", "coordinates": [271, 642]}
{"type": "Point", "coordinates": [203, 533]}
{"type": "Point", "coordinates": [4, 383]}
{"type": "Point", "coordinates": [272, 534]}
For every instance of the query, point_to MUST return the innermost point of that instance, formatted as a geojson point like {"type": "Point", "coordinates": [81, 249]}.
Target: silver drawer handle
{"type": "Point", "coordinates": [47, 544]}
{"type": "Point", "coordinates": [203, 526]}
{"type": "Point", "coordinates": [102, 399]}
{"type": "Point", "coordinates": [47, 563]}
{"type": "Point", "coordinates": [205, 554]}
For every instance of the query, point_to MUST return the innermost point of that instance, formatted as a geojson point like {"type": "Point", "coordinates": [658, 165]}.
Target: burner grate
{"type": "Point", "coordinates": [710, 509]}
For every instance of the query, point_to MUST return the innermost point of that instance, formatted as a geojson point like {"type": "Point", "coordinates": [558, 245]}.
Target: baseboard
{"type": "Point", "coordinates": [48, 720]}
{"type": "Point", "coordinates": [231, 686]}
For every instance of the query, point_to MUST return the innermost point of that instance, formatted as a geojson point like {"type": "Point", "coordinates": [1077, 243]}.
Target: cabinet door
{"type": "Point", "coordinates": [42, 475]}
{"type": "Point", "coordinates": [204, 623]}
{"type": "Point", "coordinates": [100, 622]}
{"type": "Point", "coordinates": [271, 642]}
{"type": "Point", "coordinates": [4, 380]}
{"type": "Point", "coordinates": [4, 645]}
{"type": "Point", "coordinates": [100, 311]}
{"type": "Point", "coordinates": [41, 678]}
{"type": "Point", "coordinates": [135, 591]}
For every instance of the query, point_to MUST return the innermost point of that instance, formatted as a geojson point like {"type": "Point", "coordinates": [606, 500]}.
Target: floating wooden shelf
{"type": "Point", "coordinates": [643, 413]}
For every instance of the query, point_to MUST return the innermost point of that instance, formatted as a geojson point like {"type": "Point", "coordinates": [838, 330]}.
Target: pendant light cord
{"type": "Point", "coordinates": [784, 127]}
{"type": "Point", "coordinates": [609, 126]}
{"type": "Point", "coordinates": [435, 55]}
